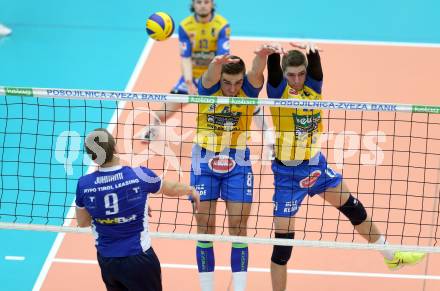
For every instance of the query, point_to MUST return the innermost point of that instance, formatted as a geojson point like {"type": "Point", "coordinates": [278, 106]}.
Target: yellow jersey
{"type": "Point", "coordinates": [222, 126]}
{"type": "Point", "coordinates": [297, 130]}
{"type": "Point", "coordinates": [203, 41]}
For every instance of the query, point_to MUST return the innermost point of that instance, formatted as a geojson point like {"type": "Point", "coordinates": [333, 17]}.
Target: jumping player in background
{"type": "Point", "coordinates": [114, 201]}
{"type": "Point", "coordinates": [300, 169]}
{"type": "Point", "coordinates": [202, 36]}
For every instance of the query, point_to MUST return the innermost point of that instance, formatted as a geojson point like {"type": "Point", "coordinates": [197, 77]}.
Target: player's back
{"type": "Point", "coordinates": [116, 198]}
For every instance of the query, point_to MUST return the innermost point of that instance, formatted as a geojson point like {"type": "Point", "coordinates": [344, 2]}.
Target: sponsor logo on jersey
{"type": "Point", "coordinates": [293, 91]}
{"type": "Point", "coordinates": [309, 181]}
{"type": "Point", "coordinates": [221, 164]}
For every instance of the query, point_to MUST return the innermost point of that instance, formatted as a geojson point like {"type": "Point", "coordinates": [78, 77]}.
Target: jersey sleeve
{"type": "Point", "coordinates": [184, 43]}
{"type": "Point", "coordinates": [250, 90]}
{"type": "Point", "coordinates": [152, 182]}
{"type": "Point", "coordinates": [79, 200]}
{"type": "Point", "coordinates": [223, 40]}
{"type": "Point", "coordinates": [276, 92]}
{"type": "Point", "coordinates": [207, 91]}
{"type": "Point", "coordinates": [314, 84]}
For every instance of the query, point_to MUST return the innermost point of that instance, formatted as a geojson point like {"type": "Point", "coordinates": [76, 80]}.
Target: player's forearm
{"type": "Point", "coordinates": [274, 71]}
{"type": "Point", "coordinates": [259, 64]}
{"type": "Point", "coordinates": [175, 189]}
{"type": "Point", "coordinates": [212, 75]}
{"type": "Point", "coordinates": [314, 68]}
{"type": "Point", "coordinates": [187, 69]}
{"type": "Point", "coordinates": [83, 218]}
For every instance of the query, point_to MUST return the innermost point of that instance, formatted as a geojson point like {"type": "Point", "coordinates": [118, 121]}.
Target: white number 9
{"type": "Point", "coordinates": [111, 203]}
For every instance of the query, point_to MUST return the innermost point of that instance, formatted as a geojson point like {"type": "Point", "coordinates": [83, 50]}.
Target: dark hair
{"type": "Point", "coordinates": [97, 141]}
{"type": "Point", "coordinates": [293, 58]}
{"type": "Point", "coordinates": [234, 68]}
{"type": "Point", "coordinates": [191, 7]}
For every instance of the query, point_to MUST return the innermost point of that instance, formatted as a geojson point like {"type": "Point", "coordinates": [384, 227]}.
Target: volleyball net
{"type": "Point", "coordinates": [388, 154]}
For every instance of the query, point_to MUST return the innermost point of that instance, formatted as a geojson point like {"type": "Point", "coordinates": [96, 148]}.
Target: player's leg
{"type": "Point", "coordinates": [340, 197]}
{"type": "Point", "coordinates": [109, 274]}
{"type": "Point", "coordinates": [208, 186]}
{"type": "Point", "coordinates": [284, 229]}
{"type": "Point", "coordinates": [287, 200]}
{"type": "Point", "coordinates": [140, 272]}
{"type": "Point", "coordinates": [236, 190]}
{"type": "Point", "coordinates": [238, 214]}
{"type": "Point", "coordinates": [205, 249]}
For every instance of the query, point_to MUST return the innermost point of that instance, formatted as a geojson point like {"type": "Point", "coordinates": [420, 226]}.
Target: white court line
{"type": "Point", "coordinates": [15, 258]}
{"type": "Point", "coordinates": [267, 270]}
{"type": "Point", "coordinates": [60, 236]}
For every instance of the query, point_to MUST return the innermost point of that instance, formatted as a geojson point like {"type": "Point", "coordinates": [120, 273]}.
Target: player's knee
{"type": "Point", "coordinates": [238, 226]}
{"type": "Point", "coordinates": [281, 254]}
{"type": "Point", "coordinates": [354, 211]}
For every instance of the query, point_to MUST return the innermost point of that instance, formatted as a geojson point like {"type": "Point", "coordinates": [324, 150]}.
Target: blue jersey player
{"type": "Point", "coordinates": [114, 201]}
{"type": "Point", "coordinates": [299, 168]}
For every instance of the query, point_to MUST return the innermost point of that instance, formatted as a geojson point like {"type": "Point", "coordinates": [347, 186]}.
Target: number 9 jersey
{"type": "Point", "coordinates": [116, 199]}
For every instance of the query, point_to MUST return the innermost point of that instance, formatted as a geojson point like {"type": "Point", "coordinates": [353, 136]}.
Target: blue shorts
{"type": "Point", "coordinates": [181, 87]}
{"type": "Point", "coordinates": [226, 175]}
{"type": "Point", "coordinates": [293, 182]}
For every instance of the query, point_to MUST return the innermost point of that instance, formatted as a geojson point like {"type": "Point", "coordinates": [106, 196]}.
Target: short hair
{"type": "Point", "coordinates": [96, 142]}
{"type": "Point", "coordinates": [293, 58]}
{"type": "Point", "coordinates": [191, 7]}
{"type": "Point", "coordinates": [234, 68]}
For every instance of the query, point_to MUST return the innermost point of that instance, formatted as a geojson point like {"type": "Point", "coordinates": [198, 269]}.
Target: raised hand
{"type": "Point", "coordinates": [307, 46]}
{"type": "Point", "coordinates": [224, 59]}
{"type": "Point", "coordinates": [268, 49]}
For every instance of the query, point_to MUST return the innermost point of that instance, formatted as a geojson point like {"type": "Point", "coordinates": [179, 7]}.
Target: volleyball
{"type": "Point", "coordinates": [160, 26]}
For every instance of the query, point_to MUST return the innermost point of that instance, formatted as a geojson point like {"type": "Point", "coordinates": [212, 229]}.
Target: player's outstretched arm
{"type": "Point", "coordinates": [314, 68]}
{"type": "Point", "coordinates": [255, 75]}
{"type": "Point", "coordinates": [176, 189]}
{"type": "Point", "coordinates": [213, 74]}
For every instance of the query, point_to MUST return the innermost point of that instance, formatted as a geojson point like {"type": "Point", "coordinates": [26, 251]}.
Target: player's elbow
{"type": "Point", "coordinates": [84, 223]}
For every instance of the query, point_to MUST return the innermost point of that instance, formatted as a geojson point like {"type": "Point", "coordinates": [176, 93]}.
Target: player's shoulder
{"type": "Point", "coordinates": [87, 179]}
{"type": "Point", "coordinates": [188, 22]}
{"type": "Point", "coordinates": [219, 20]}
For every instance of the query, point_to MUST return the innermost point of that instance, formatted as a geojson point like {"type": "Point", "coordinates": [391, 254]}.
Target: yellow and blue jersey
{"type": "Point", "coordinates": [222, 126]}
{"type": "Point", "coordinates": [203, 41]}
{"type": "Point", "coordinates": [297, 130]}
